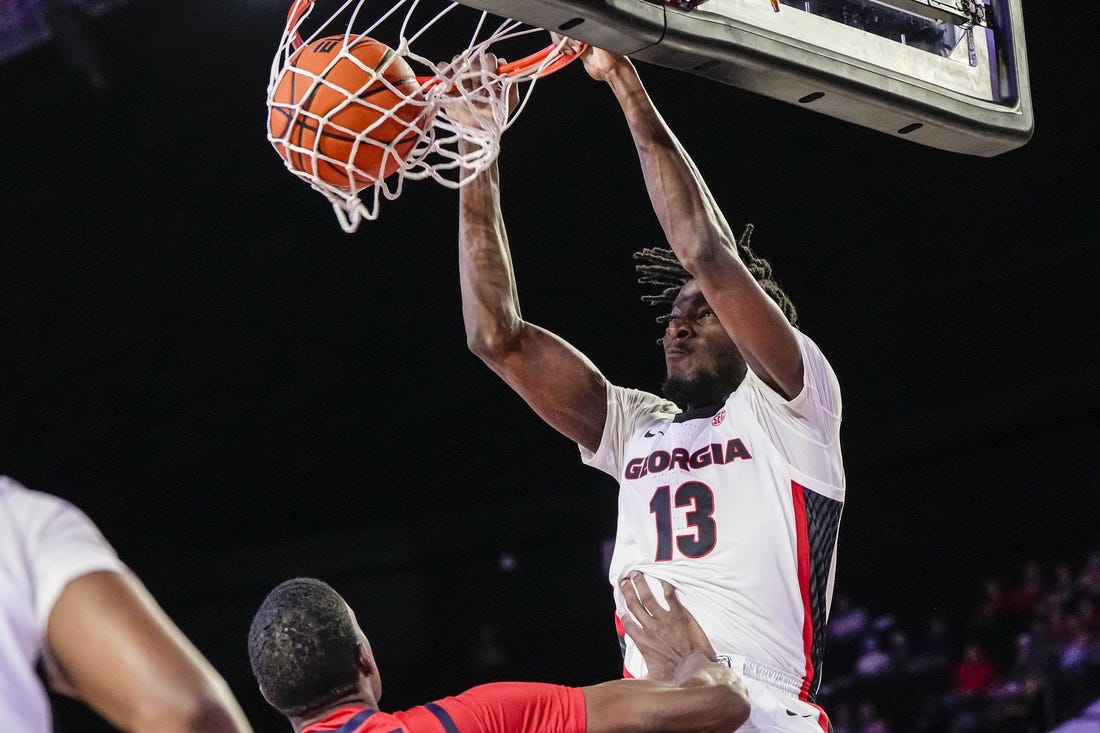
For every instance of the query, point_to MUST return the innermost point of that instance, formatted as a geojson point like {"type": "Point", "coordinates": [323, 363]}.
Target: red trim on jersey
{"type": "Point", "coordinates": [622, 641]}
{"type": "Point", "coordinates": [822, 718]}
{"type": "Point", "coordinates": [802, 538]}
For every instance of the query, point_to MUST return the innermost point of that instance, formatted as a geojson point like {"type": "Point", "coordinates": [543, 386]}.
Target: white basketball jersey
{"type": "Point", "coordinates": [738, 506]}
{"type": "Point", "coordinates": [45, 543]}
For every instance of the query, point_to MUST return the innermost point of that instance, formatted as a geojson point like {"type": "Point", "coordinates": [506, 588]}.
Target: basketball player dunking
{"type": "Point", "coordinates": [731, 486]}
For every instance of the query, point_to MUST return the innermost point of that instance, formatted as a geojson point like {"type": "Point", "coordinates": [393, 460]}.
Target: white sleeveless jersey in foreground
{"type": "Point", "coordinates": [45, 543]}
{"type": "Point", "coordinates": [738, 506]}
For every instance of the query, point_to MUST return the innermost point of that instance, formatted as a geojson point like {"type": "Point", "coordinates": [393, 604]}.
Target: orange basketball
{"type": "Point", "coordinates": [338, 99]}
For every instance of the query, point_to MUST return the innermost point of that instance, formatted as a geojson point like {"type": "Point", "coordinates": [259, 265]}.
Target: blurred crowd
{"type": "Point", "coordinates": [1023, 659]}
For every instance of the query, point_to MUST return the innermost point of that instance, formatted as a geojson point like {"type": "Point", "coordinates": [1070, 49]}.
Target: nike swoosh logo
{"type": "Point", "coordinates": [797, 715]}
{"type": "Point", "coordinates": [652, 434]}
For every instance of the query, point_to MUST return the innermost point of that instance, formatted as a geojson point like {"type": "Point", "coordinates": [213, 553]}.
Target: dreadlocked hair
{"type": "Point", "coordinates": [658, 266]}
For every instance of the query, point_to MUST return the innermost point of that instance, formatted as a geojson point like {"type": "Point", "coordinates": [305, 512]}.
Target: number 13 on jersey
{"type": "Point", "coordinates": [700, 535]}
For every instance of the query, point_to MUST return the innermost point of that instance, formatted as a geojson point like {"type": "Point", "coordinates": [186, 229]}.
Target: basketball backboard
{"type": "Point", "coordinates": [950, 74]}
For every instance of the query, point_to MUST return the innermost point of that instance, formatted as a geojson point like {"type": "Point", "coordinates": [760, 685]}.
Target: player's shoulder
{"type": "Point", "coordinates": [630, 400]}
{"type": "Point", "coordinates": [819, 381]}
{"type": "Point", "coordinates": [51, 526]}
{"type": "Point", "coordinates": [10, 487]}
{"type": "Point", "coordinates": [819, 375]}
{"type": "Point", "coordinates": [23, 503]}
{"type": "Point", "coordinates": [807, 345]}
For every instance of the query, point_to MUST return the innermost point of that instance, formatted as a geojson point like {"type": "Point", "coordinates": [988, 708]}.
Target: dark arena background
{"type": "Point", "coordinates": [237, 392]}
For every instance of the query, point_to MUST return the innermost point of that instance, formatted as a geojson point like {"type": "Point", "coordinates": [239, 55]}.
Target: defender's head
{"type": "Point", "coordinates": [308, 652]}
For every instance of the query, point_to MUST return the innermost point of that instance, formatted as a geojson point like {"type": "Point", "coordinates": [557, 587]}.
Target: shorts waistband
{"type": "Point", "coordinates": [754, 670]}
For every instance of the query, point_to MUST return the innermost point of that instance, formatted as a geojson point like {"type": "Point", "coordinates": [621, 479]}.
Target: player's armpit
{"type": "Point", "coordinates": [120, 653]}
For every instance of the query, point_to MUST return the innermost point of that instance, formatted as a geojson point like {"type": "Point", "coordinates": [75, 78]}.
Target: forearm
{"type": "Point", "coordinates": [698, 669]}
{"type": "Point", "coordinates": [720, 688]}
{"type": "Point", "coordinates": [490, 304]}
{"type": "Point", "coordinates": [119, 652]}
{"type": "Point", "coordinates": [556, 380]}
{"type": "Point", "coordinates": [719, 704]}
{"type": "Point", "coordinates": [214, 711]}
{"type": "Point", "coordinates": [693, 224]}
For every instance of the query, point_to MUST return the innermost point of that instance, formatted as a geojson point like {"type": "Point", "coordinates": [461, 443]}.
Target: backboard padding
{"type": "Point", "coordinates": [825, 66]}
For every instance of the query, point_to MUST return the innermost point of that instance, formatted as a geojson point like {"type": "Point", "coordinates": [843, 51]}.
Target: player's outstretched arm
{"type": "Point", "coordinates": [698, 232]}
{"type": "Point", "coordinates": [555, 379]}
{"type": "Point", "coordinates": [686, 690]}
{"type": "Point", "coordinates": [124, 657]}
{"type": "Point", "coordinates": [712, 698]}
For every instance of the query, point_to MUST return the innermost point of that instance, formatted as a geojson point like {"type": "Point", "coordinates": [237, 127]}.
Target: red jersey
{"type": "Point", "coordinates": [499, 707]}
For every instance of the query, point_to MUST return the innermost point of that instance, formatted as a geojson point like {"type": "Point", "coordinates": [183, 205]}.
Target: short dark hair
{"type": "Point", "coordinates": [303, 646]}
{"type": "Point", "coordinates": [659, 266]}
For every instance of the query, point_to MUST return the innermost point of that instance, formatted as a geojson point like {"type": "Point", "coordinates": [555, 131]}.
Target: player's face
{"type": "Point", "coordinates": [702, 362]}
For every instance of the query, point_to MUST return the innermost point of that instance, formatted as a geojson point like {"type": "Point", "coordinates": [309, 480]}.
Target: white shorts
{"type": "Point", "coordinates": [775, 705]}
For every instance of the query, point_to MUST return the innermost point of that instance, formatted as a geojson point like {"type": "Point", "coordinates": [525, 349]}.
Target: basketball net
{"type": "Point", "coordinates": [461, 108]}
